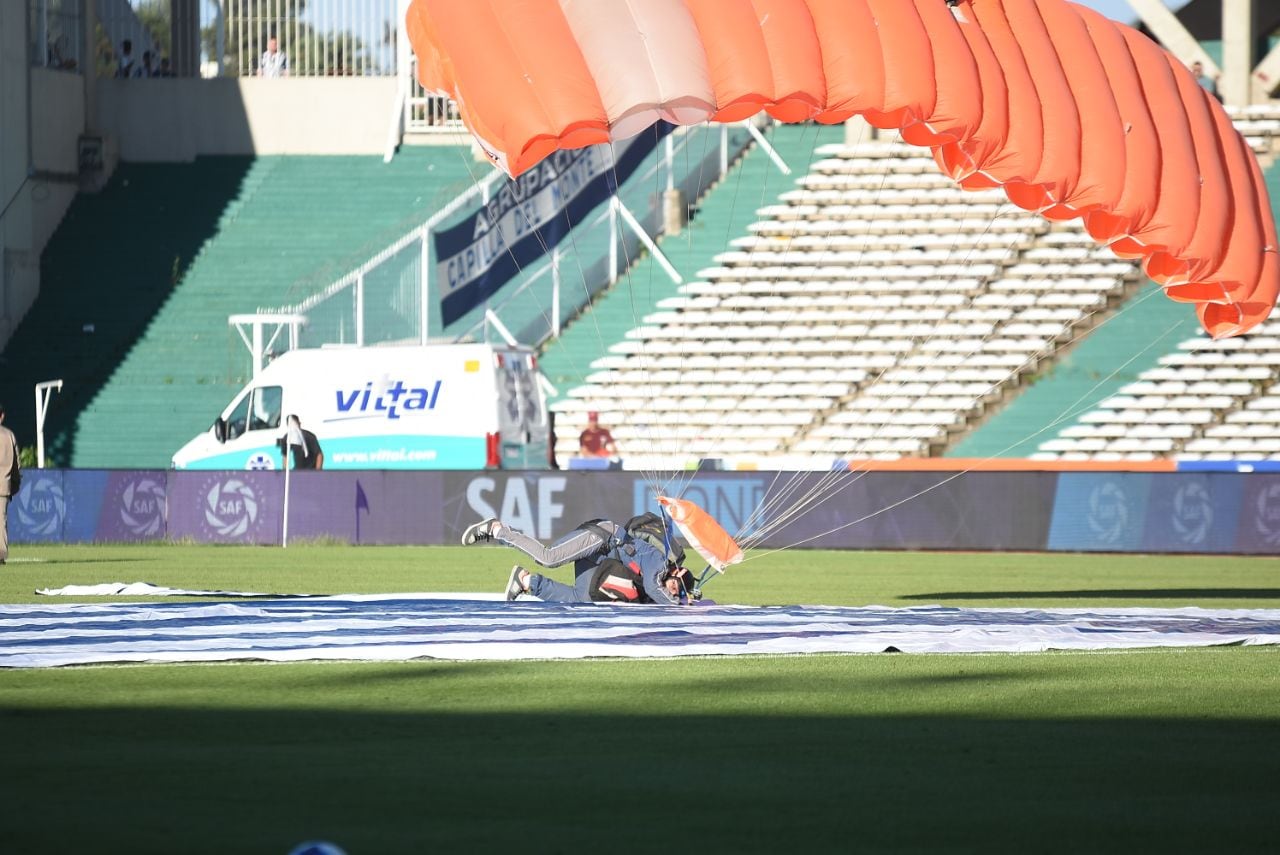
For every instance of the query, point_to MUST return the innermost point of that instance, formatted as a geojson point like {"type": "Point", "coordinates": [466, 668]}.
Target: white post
{"type": "Point", "coordinates": [424, 311]}
{"type": "Point", "coordinates": [555, 291]}
{"type": "Point", "coordinates": [220, 29]}
{"type": "Point", "coordinates": [724, 150]}
{"type": "Point", "coordinates": [768, 149]}
{"type": "Point", "coordinates": [639, 231]}
{"type": "Point", "coordinates": [614, 237]}
{"type": "Point", "coordinates": [292, 437]}
{"type": "Point", "coordinates": [258, 358]}
{"type": "Point", "coordinates": [284, 537]}
{"type": "Point", "coordinates": [43, 35]}
{"type": "Point", "coordinates": [360, 310]}
{"type": "Point", "coordinates": [1236, 85]}
{"type": "Point", "coordinates": [43, 392]}
{"type": "Point", "coordinates": [671, 162]}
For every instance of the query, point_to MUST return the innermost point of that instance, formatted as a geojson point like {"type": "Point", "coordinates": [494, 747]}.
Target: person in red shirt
{"type": "Point", "coordinates": [596, 441]}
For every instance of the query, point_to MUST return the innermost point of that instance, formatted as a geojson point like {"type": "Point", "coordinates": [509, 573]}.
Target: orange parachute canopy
{"type": "Point", "coordinates": [703, 533]}
{"type": "Point", "coordinates": [1073, 115]}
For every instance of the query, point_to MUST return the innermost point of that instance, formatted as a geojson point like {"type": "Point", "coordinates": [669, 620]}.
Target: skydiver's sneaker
{"type": "Point", "coordinates": [479, 533]}
{"type": "Point", "coordinates": [515, 587]}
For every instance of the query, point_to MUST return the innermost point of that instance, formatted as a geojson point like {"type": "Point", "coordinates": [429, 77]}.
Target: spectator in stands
{"type": "Point", "coordinates": [126, 65]}
{"type": "Point", "coordinates": [148, 67]}
{"type": "Point", "coordinates": [274, 62]}
{"type": "Point", "coordinates": [165, 70]}
{"type": "Point", "coordinates": [596, 441]}
{"type": "Point", "coordinates": [10, 481]}
{"type": "Point", "coordinates": [1209, 84]}
{"type": "Point", "coordinates": [307, 454]}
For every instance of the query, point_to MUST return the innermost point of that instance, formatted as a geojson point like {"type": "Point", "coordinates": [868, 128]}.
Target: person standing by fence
{"type": "Point", "coordinates": [10, 481]}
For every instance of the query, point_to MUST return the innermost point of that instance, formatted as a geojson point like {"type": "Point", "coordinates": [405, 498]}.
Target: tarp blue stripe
{"type": "Point", "coordinates": [404, 627]}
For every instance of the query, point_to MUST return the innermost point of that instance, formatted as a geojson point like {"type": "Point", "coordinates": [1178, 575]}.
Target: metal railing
{"type": "Point", "coordinates": [56, 34]}
{"type": "Point", "coordinates": [390, 298]}
{"type": "Point", "coordinates": [247, 38]}
{"type": "Point", "coordinates": [425, 113]}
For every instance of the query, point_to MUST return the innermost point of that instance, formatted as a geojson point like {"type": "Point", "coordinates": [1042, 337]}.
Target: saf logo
{"type": "Point", "coordinates": [1108, 512]}
{"type": "Point", "coordinates": [230, 507]}
{"type": "Point", "coordinates": [515, 507]}
{"type": "Point", "coordinates": [142, 507]}
{"type": "Point", "coordinates": [41, 508]}
{"type": "Point", "coordinates": [1192, 513]}
{"type": "Point", "coordinates": [1267, 517]}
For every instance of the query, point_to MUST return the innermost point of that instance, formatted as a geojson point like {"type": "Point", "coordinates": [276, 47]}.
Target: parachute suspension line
{"type": "Point", "coordinates": [1062, 417]}
{"type": "Point", "coordinates": [1070, 412]}
{"type": "Point", "coordinates": [832, 481]}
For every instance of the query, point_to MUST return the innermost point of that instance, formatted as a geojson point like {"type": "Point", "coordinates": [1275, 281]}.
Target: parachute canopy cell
{"type": "Point", "coordinates": [1075, 116]}
{"type": "Point", "coordinates": [703, 533]}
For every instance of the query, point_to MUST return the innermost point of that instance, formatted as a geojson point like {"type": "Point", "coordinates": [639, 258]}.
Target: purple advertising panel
{"type": "Point", "coordinates": [374, 507]}
{"type": "Point", "coordinates": [546, 505]}
{"type": "Point", "coordinates": [1258, 530]}
{"type": "Point", "coordinates": [1192, 512]}
{"type": "Point", "coordinates": [995, 511]}
{"type": "Point", "coordinates": [913, 510]}
{"type": "Point", "coordinates": [226, 507]}
{"type": "Point", "coordinates": [877, 510]}
{"type": "Point", "coordinates": [1100, 511]}
{"type": "Point", "coordinates": [39, 512]}
{"type": "Point", "coordinates": [115, 506]}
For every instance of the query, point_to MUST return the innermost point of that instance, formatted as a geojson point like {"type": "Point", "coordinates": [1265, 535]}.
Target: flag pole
{"type": "Point", "coordinates": [284, 541]}
{"type": "Point", "coordinates": [292, 437]}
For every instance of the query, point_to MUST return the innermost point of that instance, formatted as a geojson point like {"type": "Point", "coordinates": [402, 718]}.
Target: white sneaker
{"type": "Point", "coordinates": [515, 587]}
{"type": "Point", "coordinates": [479, 532]}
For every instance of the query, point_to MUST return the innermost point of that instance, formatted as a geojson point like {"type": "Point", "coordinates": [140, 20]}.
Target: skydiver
{"type": "Point", "coordinates": [609, 565]}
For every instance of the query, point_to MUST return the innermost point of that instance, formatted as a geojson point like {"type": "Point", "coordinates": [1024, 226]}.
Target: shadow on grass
{"type": "Point", "coordinates": [260, 781]}
{"type": "Point", "coordinates": [1108, 593]}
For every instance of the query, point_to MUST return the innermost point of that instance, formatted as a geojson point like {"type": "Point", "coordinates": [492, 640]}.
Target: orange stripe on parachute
{"type": "Point", "coordinates": [1073, 115]}
{"type": "Point", "coordinates": [703, 533]}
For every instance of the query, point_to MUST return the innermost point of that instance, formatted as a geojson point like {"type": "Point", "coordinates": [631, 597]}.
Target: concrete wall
{"type": "Point", "coordinates": [180, 119]}
{"type": "Point", "coordinates": [15, 221]}
{"type": "Point", "coordinates": [39, 182]}
{"type": "Point", "coordinates": [38, 162]}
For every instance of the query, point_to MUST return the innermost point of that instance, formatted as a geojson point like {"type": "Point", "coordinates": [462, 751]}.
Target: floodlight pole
{"type": "Point", "coordinates": [44, 391]}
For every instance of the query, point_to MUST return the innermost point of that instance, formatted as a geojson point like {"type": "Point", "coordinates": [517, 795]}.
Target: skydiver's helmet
{"type": "Point", "coordinates": [687, 582]}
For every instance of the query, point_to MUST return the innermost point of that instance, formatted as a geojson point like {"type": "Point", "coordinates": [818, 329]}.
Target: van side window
{"type": "Point", "coordinates": [238, 419]}
{"type": "Point", "coordinates": [266, 407]}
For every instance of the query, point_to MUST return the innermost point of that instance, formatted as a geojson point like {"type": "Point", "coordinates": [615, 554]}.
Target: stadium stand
{"type": "Point", "coordinates": [876, 311]}
{"type": "Point", "coordinates": [139, 280]}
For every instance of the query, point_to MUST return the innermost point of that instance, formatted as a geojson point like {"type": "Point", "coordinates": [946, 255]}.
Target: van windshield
{"type": "Point", "coordinates": [259, 409]}
{"type": "Point", "coordinates": [266, 407]}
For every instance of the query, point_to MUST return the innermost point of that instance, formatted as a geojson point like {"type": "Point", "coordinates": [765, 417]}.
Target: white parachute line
{"type": "Point", "coordinates": [797, 480]}
{"type": "Point", "coordinates": [1062, 417]}
{"type": "Point", "coordinates": [829, 486]}
{"type": "Point", "coordinates": [1069, 412]}
{"type": "Point", "coordinates": [835, 480]}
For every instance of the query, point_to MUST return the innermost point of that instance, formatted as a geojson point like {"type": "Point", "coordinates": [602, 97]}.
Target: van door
{"type": "Point", "coordinates": [522, 413]}
{"type": "Point", "coordinates": [252, 430]}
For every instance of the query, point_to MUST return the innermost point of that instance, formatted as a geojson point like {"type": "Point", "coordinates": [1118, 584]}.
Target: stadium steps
{"type": "Point", "coordinates": [723, 213]}
{"type": "Point", "coordinates": [1146, 327]}
{"type": "Point", "coordinates": [139, 280]}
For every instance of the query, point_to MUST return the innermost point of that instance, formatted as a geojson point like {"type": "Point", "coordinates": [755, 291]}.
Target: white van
{"type": "Point", "coordinates": [449, 406]}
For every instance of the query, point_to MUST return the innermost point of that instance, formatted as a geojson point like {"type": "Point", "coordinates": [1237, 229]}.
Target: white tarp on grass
{"type": "Point", "coordinates": [398, 627]}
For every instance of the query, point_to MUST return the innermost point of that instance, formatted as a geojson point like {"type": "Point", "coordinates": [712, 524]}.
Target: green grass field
{"type": "Point", "coordinates": [1159, 750]}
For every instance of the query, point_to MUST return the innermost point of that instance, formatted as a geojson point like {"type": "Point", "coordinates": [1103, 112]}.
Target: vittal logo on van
{"type": "Point", "coordinates": [384, 400]}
